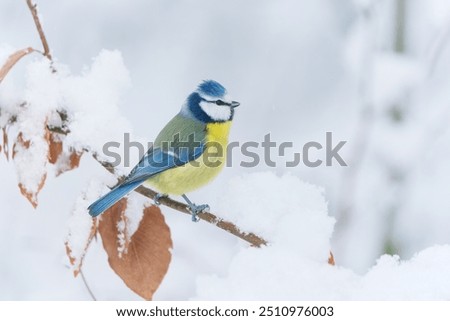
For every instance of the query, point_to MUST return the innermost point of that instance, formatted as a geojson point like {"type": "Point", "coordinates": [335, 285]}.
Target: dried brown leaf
{"type": "Point", "coordinates": [30, 195]}
{"type": "Point", "coordinates": [55, 147]}
{"type": "Point", "coordinates": [145, 263]}
{"type": "Point", "coordinates": [12, 60]}
{"type": "Point", "coordinates": [75, 158]}
{"type": "Point", "coordinates": [20, 142]}
{"type": "Point", "coordinates": [67, 162]}
{"type": "Point", "coordinates": [78, 263]}
{"type": "Point", "coordinates": [5, 143]}
{"type": "Point", "coordinates": [331, 259]}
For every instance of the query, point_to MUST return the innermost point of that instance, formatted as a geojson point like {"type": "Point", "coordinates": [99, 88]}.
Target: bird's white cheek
{"type": "Point", "coordinates": [218, 113]}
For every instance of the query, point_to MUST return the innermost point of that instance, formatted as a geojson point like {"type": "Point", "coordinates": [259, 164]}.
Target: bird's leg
{"type": "Point", "coordinates": [195, 209]}
{"type": "Point", "coordinates": [158, 197]}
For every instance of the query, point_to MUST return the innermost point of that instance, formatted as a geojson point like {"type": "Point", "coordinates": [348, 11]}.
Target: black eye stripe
{"type": "Point", "coordinates": [218, 102]}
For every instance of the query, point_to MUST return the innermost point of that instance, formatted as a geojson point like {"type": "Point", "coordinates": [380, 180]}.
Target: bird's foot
{"type": "Point", "coordinates": [157, 198]}
{"type": "Point", "coordinates": [197, 209]}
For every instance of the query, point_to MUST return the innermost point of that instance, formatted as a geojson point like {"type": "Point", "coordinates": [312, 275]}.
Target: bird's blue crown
{"type": "Point", "coordinates": [211, 88]}
{"type": "Point", "coordinates": [202, 104]}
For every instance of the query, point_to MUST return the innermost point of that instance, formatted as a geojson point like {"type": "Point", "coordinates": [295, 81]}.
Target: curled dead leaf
{"type": "Point", "coordinates": [144, 263]}
{"type": "Point", "coordinates": [12, 60]}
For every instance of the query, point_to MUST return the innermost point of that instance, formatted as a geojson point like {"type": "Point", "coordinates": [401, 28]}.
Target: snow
{"type": "Point", "coordinates": [274, 273]}
{"type": "Point", "coordinates": [269, 206]}
{"type": "Point", "coordinates": [130, 222]}
{"type": "Point", "coordinates": [30, 160]}
{"type": "Point", "coordinates": [95, 117]}
{"type": "Point", "coordinates": [90, 99]}
{"type": "Point", "coordinates": [423, 277]}
{"type": "Point", "coordinates": [80, 223]}
{"type": "Point", "coordinates": [134, 211]}
{"type": "Point", "coordinates": [293, 216]}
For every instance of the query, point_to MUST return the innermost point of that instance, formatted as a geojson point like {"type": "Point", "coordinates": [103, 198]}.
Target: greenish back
{"type": "Point", "coordinates": [179, 129]}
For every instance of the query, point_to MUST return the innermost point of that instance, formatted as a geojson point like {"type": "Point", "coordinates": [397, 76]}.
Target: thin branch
{"type": "Point", "coordinates": [251, 238]}
{"type": "Point", "coordinates": [37, 22]}
{"type": "Point", "coordinates": [227, 226]}
{"type": "Point", "coordinates": [437, 48]}
{"type": "Point", "coordinates": [16, 56]}
{"type": "Point", "coordinates": [87, 286]}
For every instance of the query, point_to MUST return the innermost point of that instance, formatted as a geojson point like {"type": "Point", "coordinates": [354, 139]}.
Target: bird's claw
{"type": "Point", "coordinates": [197, 209]}
{"type": "Point", "coordinates": [157, 198]}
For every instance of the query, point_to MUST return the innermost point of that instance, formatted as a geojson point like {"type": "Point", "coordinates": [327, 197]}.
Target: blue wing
{"type": "Point", "coordinates": [154, 162]}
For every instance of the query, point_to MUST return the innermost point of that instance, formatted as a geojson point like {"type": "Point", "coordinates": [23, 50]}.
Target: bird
{"type": "Point", "coordinates": [188, 153]}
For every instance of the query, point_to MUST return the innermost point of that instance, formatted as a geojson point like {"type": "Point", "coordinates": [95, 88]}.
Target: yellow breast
{"type": "Point", "coordinates": [183, 179]}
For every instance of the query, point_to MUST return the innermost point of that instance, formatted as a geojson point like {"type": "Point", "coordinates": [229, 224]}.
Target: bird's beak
{"type": "Point", "coordinates": [234, 104]}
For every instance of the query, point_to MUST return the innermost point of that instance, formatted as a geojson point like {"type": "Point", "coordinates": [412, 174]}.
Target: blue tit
{"type": "Point", "coordinates": [187, 154]}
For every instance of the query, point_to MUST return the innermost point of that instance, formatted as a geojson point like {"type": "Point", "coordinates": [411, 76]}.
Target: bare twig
{"type": "Point", "coordinates": [16, 56]}
{"type": "Point", "coordinates": [87, 286]}
{"type": "Point", "coordinates": [251, 238]}
{"type": "Point", "coordinates": [437, 48]}
{"type": "Point", "coordinates": [37, 22]}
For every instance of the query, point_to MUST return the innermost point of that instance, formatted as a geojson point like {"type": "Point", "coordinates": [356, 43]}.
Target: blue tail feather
{"type": "Point", "coordinates": [108, 200]}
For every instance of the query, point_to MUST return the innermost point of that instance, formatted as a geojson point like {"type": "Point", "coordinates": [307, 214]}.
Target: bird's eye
{"type": "Point", "coordinates": [220, 102]}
